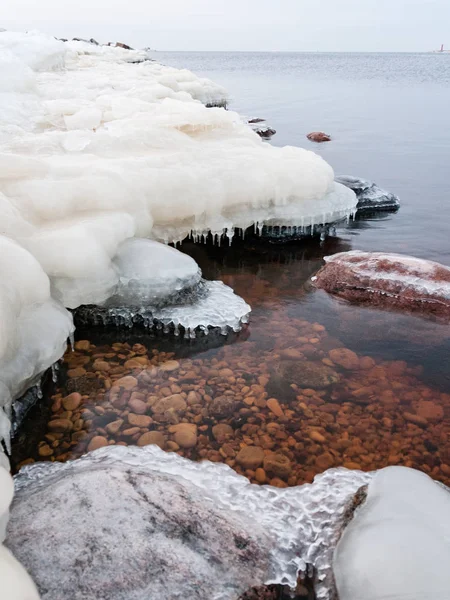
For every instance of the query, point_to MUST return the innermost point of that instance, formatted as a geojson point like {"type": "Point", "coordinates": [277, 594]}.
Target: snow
{"type": "Point", "coordinates": [138, 497]}
{"type": "Point", "coordinates": [398, 545]}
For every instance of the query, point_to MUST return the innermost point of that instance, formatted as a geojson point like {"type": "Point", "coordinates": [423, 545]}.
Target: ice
{"type": "Point", "coordinates": [370, 196]}
{"type": "Point", "coordinates": [132, 507]}
{"type": "Point", "coordinates": [33, 326]}
{"type": "Point", "coordinates": [398, 545]}
{"type": "Point", "coordinates": [152, 273]}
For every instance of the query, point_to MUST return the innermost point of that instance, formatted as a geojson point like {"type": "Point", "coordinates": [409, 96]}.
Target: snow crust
{"type": "Point", "coordinates": [398, 545]}
{"type": "Point", "coordinates": [303, 523]}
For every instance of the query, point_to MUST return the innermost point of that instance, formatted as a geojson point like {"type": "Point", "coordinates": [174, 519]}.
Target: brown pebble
{"type": "Point", "coordinates": [97, 442]}
{"type": "Point", "coordinates": [250, 457]}
{"type": "Point", "coordinates": [275, 407]}
{"type": "Point", "coordinates": [152, 437]}
{"type": "Point", "coordinates": [72, 401]}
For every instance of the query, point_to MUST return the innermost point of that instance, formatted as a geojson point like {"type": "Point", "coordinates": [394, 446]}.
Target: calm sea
{"type": "Point", "coordinates": [389, 115]}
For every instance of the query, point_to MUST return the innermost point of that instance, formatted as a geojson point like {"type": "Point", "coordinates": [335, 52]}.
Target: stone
{"type": "Point", "coordinates": [114, 526]}
{"type": "Point", "coordinates": [222, 432]}
{"type": "Point", "coordinates": [275, 407]}
{"type": "Point", "coordinates": [185, 434]}
{"type": "Point", "coordinates": [60, 425]}
{"type": "Point", "coordinates": [260, 475]}
{"type": "Point", "coordinates": [139, 420]}
{"type": "Point", "coordinates": [72, 401]}
{"type": "Point", "coordinates": [128, 382]}
{"type": "Point", "coordinates": [250, 457]}
{"type": "Point", "coordinates": [101, 365]}
{"type": "Point", "coordinates": [114, 427]}
{"type": "Point", "coordinates": [82, 345]}
{"type": "Point", "coordinates": [175, 402]}
{"type": "Point", "coordinates": [170, 365]}
{"type": "Point", "coordinates": [318, 136]}
{"type": "Point", "coordinates": [305, 374]}
{"type": "Point", "coordinates": [325, 461]}
{"type": "Point", "coordinates": [77, 372]}
{"type": "Point", "coordinates": [152, 437]}
{"type": "Point", "coordinates": [317, 437]}
{"type": "Point", "coordinates": [277, 465]}
{"type": "Point", "coordinates": [429, 410]}
{"type": "Point", "coordinates": [45, 450]}
{"type": "Point", "coordinates": [193, 398]}
{"type": "Point", "coordinates": [344, 358]}
{"type": "Point", "coordinates": [222, 407]}
{"type": "Point", "coordinates": [416, 419]}
{"type": "Point", "coordinates": [97, 441]}
{"type": "Point", "coordinates": [390, 281]}
{"type": "Point", "coordinates": [137, 406]}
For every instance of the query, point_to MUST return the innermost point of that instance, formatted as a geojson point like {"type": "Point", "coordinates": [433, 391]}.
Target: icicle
{"type": "Point", "coordinates": [72, 341]}
{"type": "Point", "coordinates": [39, 392]}
{"type": "Point", "coordinates": [55, 369]}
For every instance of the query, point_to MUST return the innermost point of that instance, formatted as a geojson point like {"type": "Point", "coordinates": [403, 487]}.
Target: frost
{"type": "Point", "coordinates": [397, 547]}
{"type": "Point", "coordinates": [290, 527]}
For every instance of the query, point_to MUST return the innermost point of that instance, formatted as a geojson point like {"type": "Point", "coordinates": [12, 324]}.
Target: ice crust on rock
{"type": "Point", "coordinates": [290, 528]}
{"type": "Point", "coordinates": [388, 280]}
{"type": "Point", "coordinates": [370, 197]}
{"type": "Point", "coordinates": [397, 547]}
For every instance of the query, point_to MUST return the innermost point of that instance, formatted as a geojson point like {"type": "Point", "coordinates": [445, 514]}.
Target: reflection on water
{"type": "Point", "coordinates": [310, 384]}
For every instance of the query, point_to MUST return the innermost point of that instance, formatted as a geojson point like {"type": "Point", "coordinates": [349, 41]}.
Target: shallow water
{"type": "Point", "coordinates": [387, 404]}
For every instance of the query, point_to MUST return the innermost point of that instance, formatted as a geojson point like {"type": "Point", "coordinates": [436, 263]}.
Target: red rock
{"type": "Point", "coordinates": [392, 281]}
{"type": "Point", "coordinates": [152, 437]}
{"type": "Point", "coordinates": [97, 442]}
{"type": "Point", "coordinates": [344, 358]}
{"type": "Point", "coordinates": [250, 457]}
{"type": "Point", "coordinates": [72, 401]}
{"type": "Point", "coordinates": [319, 137]}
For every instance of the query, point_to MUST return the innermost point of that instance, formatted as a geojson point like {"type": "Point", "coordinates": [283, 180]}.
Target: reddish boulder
{"type": "Point", "coordinates": [388, 281]}
{"type": "Point", "coordinates": [319, 137]}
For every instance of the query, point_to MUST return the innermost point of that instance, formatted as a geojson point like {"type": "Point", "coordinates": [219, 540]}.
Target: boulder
{"type": "Point", "coordinates": [370, 196]}
{"type": "Point", "coordinates": [110, 526]}
{"type": "Point", "coordinates": [392, 281]}
{"type": "Point", "coordinates": [319, 137]}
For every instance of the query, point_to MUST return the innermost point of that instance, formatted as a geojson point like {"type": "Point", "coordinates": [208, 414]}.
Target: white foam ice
{"type": "Point", "coordinates": [303, 523]}
{"type": "Point", "coordinates": [397, 547]}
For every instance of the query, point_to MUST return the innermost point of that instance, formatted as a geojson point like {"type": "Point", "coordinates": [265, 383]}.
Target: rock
{"type": "Point", "coordinates": [72, 401]}
{"type": "Point", "coordinates": [317, 437]}
{"type": "Point", "coordinates": [193, 398]}
{"type": "Point", "coordinates": [97, 441]}
{"type": "Point", "coordinates": [170, 365]}
{"type": "Point", "coordinates": [277, 465]}
{"type": "Point", "coordinates": [416, 419]}
{"type": "Point", "coordinates": [60, 425]}
{"type": "Point", "coordinates": [101, 365]}
{"type": "Point", "coordinates": [275, 407]}
{"type": "Point", "coordinates": [114, 427]}
{"type": "Point", "coordinates": [82, 345]}
{"type": "Point", "coordinates": [139, 420]}
{"type": "Point", "coordinates": [222, 432]}
{"type": "Point", "coordinates": [325, 461]}
{"type": "Point", "coordinates": [152, 437]}
{"type": "Point", "coordinates": [391, 281]}
{"type": "Point", "coordinates": [124, 46]}
{"type": "Point", "coordinates": [370, 196]}
{"type": "Point", "coordinates": [260, 475]}
{"type": "Point", "coordinates": [185, 434]}
{"type": "Point", "coordinates": [260, 127]}
{"type": "Point", "coordinates": [128, 382]}
{"type": "Point", "coordinates": [429, 410]}
{"type": "Point", "coordinates": [114, 526]}
{"type": "Point", "coordinates": [175, 403]}
{"type": "Point", "coordinates": [77, 372]}
{"type": "Point", "coordinates": [318, 136]}
{"type": "Point", "coordinates": [45, 450]}
{"type": "Point", "coordinates": [305, 374]}
{"type": "Point", "coordinates": [344, 358]}
{"type": "Point", "coordinates": [137, 406]}
{"type": "Point", "coordinates": [222, 407]}
{"type": "Point", "coordinates": [250, 457]}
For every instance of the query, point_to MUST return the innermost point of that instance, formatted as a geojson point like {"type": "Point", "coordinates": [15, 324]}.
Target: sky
{"type": "Point", "coordinates": [245, 25]}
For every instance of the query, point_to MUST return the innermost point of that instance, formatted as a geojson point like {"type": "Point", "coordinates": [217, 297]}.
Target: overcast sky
{"type": "Point", "coordinates": [325, 25]}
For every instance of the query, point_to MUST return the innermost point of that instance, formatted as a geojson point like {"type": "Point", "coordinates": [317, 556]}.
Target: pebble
{"type": "Point", "coordinates": [128, 382]}
{"type": "Point", "coordinates": [139, 420]}
{"type": "Point", "coordinates": [97, 441]}
{"type": "Point", "coordinates": [72, 401]}
{"type": "Point", "coordinates": [174, 402]}
{"type": "Point", "coordinates": [275, 407]}
{"type": "Point", "coordinates": [152, 437]}
{"type": "Point", "coordinates": [185, 435]}
{"type": "Point", "coordinates": [60, 425]}
{"type": "Point", "coordinates": [250, 457]}
{"type": "Point", "coordinates": [114, 427]}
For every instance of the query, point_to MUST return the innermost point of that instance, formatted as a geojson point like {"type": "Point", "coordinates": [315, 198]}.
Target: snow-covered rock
{"type": "Point", "coordinates": [397, 547]}
{"type": "Point", "coordinates": [370, 196]}
{"type": "Point", "coordinates": [388, 281]}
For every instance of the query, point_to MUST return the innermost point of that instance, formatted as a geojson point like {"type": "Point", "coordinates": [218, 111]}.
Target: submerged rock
{"type": "Point", "coordinates": [305, 374]}
{"type": "Point", "coordinates": [319, 137]}
{"type": "Point", "coordinates": [260, 127]}
{"type": "Point", "coordinates": [393, 281]}
{"type": "Point", "coordinates": [370, 196]}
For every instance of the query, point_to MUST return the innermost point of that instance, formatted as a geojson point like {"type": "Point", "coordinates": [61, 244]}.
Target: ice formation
{"type": "Point", "coordinates": [283, 530]}
{"type": "Point", "coordinates": [370, 196]}
{"type": "Point", "coordinates": [397, 547]}
{"type": "Point", "coordinates": [15, 582]}
{"type": "Point", "coordinates": [388, 280]}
